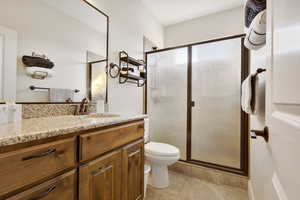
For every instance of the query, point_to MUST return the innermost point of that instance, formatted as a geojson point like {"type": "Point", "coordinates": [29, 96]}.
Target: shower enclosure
{"type": "Point", "coordinates": [193, 102]}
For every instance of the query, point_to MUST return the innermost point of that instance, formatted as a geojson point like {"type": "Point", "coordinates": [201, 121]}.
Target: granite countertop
{"type": "Point", "coordinates": [40, 128]}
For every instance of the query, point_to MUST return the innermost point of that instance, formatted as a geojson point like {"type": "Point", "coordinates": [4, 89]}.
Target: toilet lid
{"type": "Point", "coordinates": [161, 149]}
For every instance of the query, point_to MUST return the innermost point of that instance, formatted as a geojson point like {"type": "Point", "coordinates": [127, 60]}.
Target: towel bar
{"type": "Point", "coordinates": [32, 87]}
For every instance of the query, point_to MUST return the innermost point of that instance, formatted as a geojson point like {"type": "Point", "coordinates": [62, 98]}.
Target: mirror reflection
{"type": "Point", "coordinates": [61, 50]}
{"type": "Point", "coordinates": [97, 77]}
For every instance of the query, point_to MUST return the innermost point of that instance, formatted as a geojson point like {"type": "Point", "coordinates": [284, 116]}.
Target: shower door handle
{"type": "Point", "coordinates": [192, 103]}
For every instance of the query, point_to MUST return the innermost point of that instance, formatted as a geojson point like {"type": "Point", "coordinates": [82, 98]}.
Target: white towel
{"type": "Point", "coordinates": [256, 35]}
{"type": "Point", "coordinates": [39, 72]}
{"type": "Point", "coordinates": [247, 94]}
{"type": "Point", "coordinates": [61, 95]}
{"type": "Point", "coordinates": [260, 95]}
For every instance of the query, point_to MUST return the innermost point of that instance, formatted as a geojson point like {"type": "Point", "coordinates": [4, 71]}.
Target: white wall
{"type": "Point", "coordinates": [226, 23]}
{"type": "Point", "coordinates": [129, 22]}
{"type": "Point", "coordinates": [8, 64]}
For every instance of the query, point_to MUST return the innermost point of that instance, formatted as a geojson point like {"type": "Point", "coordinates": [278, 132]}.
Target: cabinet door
{"type": "Point", "coordinates": [133, 171]}
{"type": "Point", "coordinates": [100, 179]}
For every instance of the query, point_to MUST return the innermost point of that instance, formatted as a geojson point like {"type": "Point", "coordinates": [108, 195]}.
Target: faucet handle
{"type": "Point", "coordinates": [77, 109]}
{"type": "Point", "coordinates": [85, 101]}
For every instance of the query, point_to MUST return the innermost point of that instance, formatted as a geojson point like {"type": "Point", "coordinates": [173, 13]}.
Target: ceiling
{"type": "Point", "coordinates": [170, 12]}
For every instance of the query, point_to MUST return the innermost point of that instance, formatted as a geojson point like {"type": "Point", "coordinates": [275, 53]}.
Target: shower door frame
{"type": "Point", "coordinates": [244, 154]}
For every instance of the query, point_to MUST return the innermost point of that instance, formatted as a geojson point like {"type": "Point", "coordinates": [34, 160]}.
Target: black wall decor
{"type": "Point", "coordinates": [253, 7]}
{"type": "Point", "coordinates": [35, 61]}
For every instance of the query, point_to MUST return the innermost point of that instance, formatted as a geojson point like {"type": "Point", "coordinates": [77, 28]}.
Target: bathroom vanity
{"type": "Point", "coordinates": [73, 157]}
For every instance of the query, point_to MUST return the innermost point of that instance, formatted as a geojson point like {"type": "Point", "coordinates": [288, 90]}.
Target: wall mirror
{"type": "Point", "coordinates": [62, 48]}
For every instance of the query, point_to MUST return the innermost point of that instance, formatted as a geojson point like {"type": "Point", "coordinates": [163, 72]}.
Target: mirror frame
{"type": "Point", "coordinates": [89, 67]}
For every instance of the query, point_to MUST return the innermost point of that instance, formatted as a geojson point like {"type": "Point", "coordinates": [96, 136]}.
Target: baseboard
{"type": "Point", "coordinates": [250, 191]}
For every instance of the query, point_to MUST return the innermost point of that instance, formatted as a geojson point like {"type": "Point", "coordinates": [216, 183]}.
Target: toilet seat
{"type": "Point", "coordinates": [161, 149]}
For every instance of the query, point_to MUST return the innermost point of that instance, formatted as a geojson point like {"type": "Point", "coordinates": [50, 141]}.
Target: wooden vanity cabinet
{"type": "Point", "coordinates": [105, 164]}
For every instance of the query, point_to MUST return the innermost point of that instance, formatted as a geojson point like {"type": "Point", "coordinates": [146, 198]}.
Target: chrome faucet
{"type": "Point", "coordinates": [82, 108]}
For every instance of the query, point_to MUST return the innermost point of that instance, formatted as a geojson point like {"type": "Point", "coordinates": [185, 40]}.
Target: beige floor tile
{"type": "Point", "coordinates": [184, 187]}
{"type": "Point", "coordinates": [197, 189]}
{"type": "Point", "coordinates": [156, 194]}
{"type": "Point", "coordinates": [181, 168]}
{"type": "Point", "coordinates": [232, 193]}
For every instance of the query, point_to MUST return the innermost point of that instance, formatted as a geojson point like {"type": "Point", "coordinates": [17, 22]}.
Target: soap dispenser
{"type": "Point", "coordinates": [14, 113]}
{"type": "Point", "coordinates": [3, 114]}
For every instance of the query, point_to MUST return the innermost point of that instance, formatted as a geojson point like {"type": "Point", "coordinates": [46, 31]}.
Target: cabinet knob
{"type": "Point", "coordinates": [262, 133]}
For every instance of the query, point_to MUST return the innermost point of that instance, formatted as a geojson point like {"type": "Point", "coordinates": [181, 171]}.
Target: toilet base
{"type": "Point", "coordinates": [159, 176]}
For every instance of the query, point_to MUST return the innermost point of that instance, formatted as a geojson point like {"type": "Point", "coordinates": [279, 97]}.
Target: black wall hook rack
{"type": "Point", "coordinates": [124, 73]}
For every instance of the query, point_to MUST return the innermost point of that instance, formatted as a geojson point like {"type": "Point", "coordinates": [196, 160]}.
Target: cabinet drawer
{"type": "Point", "coordinates": [26, 166]}
{"type": "Point", "coordinates": [97, 143]}
{"type": "Point", "coordinates": [59, 188]}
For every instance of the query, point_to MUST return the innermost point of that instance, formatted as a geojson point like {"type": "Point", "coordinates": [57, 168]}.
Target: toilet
{"type": "Point", "coordinates": [160, 156]}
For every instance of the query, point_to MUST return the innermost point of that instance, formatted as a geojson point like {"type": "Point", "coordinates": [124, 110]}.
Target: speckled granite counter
{"type": "Point", "coordinates": [40, 128]}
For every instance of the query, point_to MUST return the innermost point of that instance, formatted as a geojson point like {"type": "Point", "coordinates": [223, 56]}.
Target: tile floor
{"type": "Point", "coordinates": [183, 187]}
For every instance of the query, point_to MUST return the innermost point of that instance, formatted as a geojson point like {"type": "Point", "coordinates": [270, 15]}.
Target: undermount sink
{"type": "Point", "coordinates": [102, 115]}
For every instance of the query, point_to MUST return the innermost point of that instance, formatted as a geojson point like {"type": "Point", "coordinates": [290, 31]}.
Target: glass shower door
{"type": "Point", "coordinates": [216, 115]}
{"type": "Point", "coordinates": [167, 97]}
